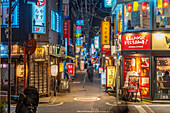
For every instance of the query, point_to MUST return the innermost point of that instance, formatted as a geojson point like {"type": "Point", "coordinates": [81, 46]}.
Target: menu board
{"type": "Point", "coordinates": [110, 75]}
{"type": "Point", "coordinates": [135, 18]}
{"type": "Point", "coordinates": [133, 84]}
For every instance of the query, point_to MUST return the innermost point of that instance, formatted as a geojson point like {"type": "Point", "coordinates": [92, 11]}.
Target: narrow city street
{"type": "Point", "coordinates": [100, 103]}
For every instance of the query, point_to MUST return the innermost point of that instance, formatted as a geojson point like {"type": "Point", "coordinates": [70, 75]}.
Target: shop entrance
{"type": "Point", "coordinates": [162, 78]}
{"type": "Point", "coordinates": [39, 76]}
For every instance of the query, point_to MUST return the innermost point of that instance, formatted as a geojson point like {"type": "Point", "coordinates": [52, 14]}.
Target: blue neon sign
{"type": "Point", "coordinates": [39, 17]}
{"type": "Point", "coordinates": [57, 22]}
{"type": "Point", "coordinates": [108, 3]}
{"type": "Point", "coordinates": [80, 22]}
{"type": "Point", "coordinates": [5, 14]}
{"type": "Point", "coordinates": [52, 20]}
{"type": "Point", "coordinates": [96, 41]}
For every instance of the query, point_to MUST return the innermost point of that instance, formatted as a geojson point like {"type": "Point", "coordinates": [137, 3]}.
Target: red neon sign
{"type": "Point", "coordinates": [41, 3]}
{"type": "Point", "coordinates": [136, 42]}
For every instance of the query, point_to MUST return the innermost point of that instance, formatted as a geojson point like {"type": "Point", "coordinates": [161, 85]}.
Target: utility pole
{"type": "Point", "coordinates": [9, 36]}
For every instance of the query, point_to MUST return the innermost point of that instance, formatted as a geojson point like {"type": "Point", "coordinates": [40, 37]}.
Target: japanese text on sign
{"type": "Point", "coordinates": [39, 17]}
{"type": "Point", "coordinates": [105, 32]}
{"type": "Point", "coordinates": [136, 42]}
{"type": "Point", "coordinates": [110, 75]}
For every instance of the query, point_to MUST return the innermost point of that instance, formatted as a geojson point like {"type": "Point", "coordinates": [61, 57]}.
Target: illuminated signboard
{"type": "Point", "coordinates": [136, 41]}
{"type": "Point", "coordinates": [5, 14]}
{"type": "Point", "coordinates": [52, 20]}
{"type": "Point", "coordinates": [57, 22]}
{"type": "Point", "coordinates": [71, 68]}
{"type": "Point", "coordinates": [105, 32]}
{"type": "Point", "coordinates": [108, 3]}
{"type": "Point", "coordinates": [78, 41]}
{"type": "Point", "coordinates": [80, 22]}
{"type": "Point", "coordinates": [110, 76]}
{"type": "Point", "coordinates": [78, 29]}
{"type": "Point", "coordinates": [39, 17]}
{"type": "Point", "coordinates": [65, 46]}
{"type": "Point", "coordinates": [96, 42]}
{"type": "Point", "coordinates": [67, 31]}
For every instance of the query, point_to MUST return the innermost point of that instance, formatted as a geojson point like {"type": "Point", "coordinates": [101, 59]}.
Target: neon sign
{"type": "Point", "coordinates": [39, 17]}
{"type": "Point", "coordinates": [5, 14]}
{"type": "Point", "coordinates": [52, 20]}
{"type": "Point", "coordinates": [57, 22]}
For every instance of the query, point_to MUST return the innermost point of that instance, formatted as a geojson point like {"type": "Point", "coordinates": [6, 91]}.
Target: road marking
{"type": "Point", "coordinates": [140, 109]}
{"type": "Point", "coordinates": [56, 104]}
{"type": "Point", "coordinates": [87, 99]}
{"type": "Point", "coordinates": [149, 109]}
{"type": "Point", "coordinates": [92, 111]}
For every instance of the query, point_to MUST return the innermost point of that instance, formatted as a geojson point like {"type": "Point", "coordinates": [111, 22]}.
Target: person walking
{"type": "Point", "coordinates": [90, 72]}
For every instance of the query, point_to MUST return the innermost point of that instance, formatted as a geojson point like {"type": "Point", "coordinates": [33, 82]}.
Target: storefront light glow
{"type": "Point", "coordinates": [144, 6]}
{"type": "Point", "coordinates": [135, 6]}
{"type": "Point", "coordinates": [159, 35]}
{"type": "Point", "coordinates": [166, 3]}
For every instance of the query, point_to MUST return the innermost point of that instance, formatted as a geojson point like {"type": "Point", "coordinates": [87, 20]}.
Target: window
{"type": "Point", "coordinates": [137, 18]}
{"type": "Point", "coordinates": [162, 15]}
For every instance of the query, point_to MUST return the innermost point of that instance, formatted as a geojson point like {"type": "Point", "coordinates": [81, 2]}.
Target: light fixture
{"type": "Point", "coordinates": [129, 6]}
{"type": "Point", "coordinates": [166, 3]}
{"type": "Point", "coordinates": [135, 6]}
{"type": "Point", "coordinates": [144, 6]}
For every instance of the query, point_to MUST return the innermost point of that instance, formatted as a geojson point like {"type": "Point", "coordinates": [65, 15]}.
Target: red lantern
{"type": "Point", "coordinates": [166, 3]}
{"type": "Point", "coordinates": [129, 6]}
{"type": "Point", "coordinates": [144, 6]}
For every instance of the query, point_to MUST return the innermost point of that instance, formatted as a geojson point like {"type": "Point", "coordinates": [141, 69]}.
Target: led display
{"type": "Point", "coordinates": [52, 20]}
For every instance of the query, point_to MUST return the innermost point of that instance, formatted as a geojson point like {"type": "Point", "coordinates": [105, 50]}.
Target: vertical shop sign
{"type": "Point", "coordinates": [82, 65]}
{"type": "Point", "coordinates": [39, 17]}
{"type": "Point", "coordinates": [96, 41]}
{"type": "Point", "coordinates": [103, 78]}
{"type": "Point", "coordinates": [78, 29]}
{"type": "Point", "coordinates": [57, 22]}
{"type": "Point", "coordinates": [65, 46]}
{"type": "Point", "coordinates": [100, 70]}
{"type": "Point", "coordinates": [61, 67]}
{"type": "Point", "coordinates": [52, 20]}
{"type": "Point", "coordinates": [110, 75]}
{"type": "Point", "coordinates": [78, 42]}
{"type": "Point", "coordinates": [136, 41]}
{"type": "Point", "coordinates": [5, 13]}
{"type": "Point", "coordinates": [105, 32]}
{"type": "Point", "coordinates": [67, 31]}
{"type": "Point", "coordinates": [71, 68]}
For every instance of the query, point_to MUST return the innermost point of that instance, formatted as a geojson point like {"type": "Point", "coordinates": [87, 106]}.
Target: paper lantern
{"type": "Point", "coordinates": [144, 6]}
{"type": "Point", "coordinates": [166, 3]}
{"type": "Point", "coordinates": [159, 3]}
{"type": "Point", "coordinates": [135, 6]}
{"type": "Point", "coordinates": [129, 6]}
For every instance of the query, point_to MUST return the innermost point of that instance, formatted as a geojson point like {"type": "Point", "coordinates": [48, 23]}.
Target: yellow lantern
{"type": "Point", "coordinates": [159, 3]}
{"type": "Point", "coordinates": [135, 6]}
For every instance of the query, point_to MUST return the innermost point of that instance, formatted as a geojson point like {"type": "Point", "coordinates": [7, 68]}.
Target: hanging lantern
{"type": "Point", "coordinates": [159, 3]}
{"type": "Point", "coordinates": [166, 3]}
{"type": "Point", "coordinates": [129, 6]}
{"type": "Point", "coordinates": [135, 6]}
{"type": "Point", "coordinates": [144, 6]}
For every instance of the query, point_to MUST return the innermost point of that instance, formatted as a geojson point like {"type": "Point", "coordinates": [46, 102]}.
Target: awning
{"type": "Point", "coordinates": [70, 57]}
{"type": "Point", "coordinates": [56, 55]}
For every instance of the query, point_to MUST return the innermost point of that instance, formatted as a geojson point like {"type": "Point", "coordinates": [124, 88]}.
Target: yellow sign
{"type": "Point", "coordinates": [61, 68]}
{"type": "Point", "coordinates": [40, 53]}
{"type": "Point", "coordinates": [110, 76]}
{"type": "Point", "coordinates": [161, 41]}
{"type": "Point", "coordinates": [135, 6]}
{"type": "Point", "coordinates": [20, 70]}
{"type": "Point", "coordinates": [78, 35]}
{"type": "Point", "coordinates": [105, 32]}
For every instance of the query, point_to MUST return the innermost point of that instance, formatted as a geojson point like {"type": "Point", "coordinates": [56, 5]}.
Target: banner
{"type": "Point", "coordinates": [67, 31]}
{"type": "Point", "coordinates": [161, 41]}
{"type": "Point", "coordinates": [105, 32]}
{"type": "Point", "coordinates": [136, 41]}
{"type": "Point", "coordinates": [110, 75]}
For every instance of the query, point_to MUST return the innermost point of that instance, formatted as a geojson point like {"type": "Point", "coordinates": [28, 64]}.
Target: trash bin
{"type": "Point", "coordinates": [28, 101]}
